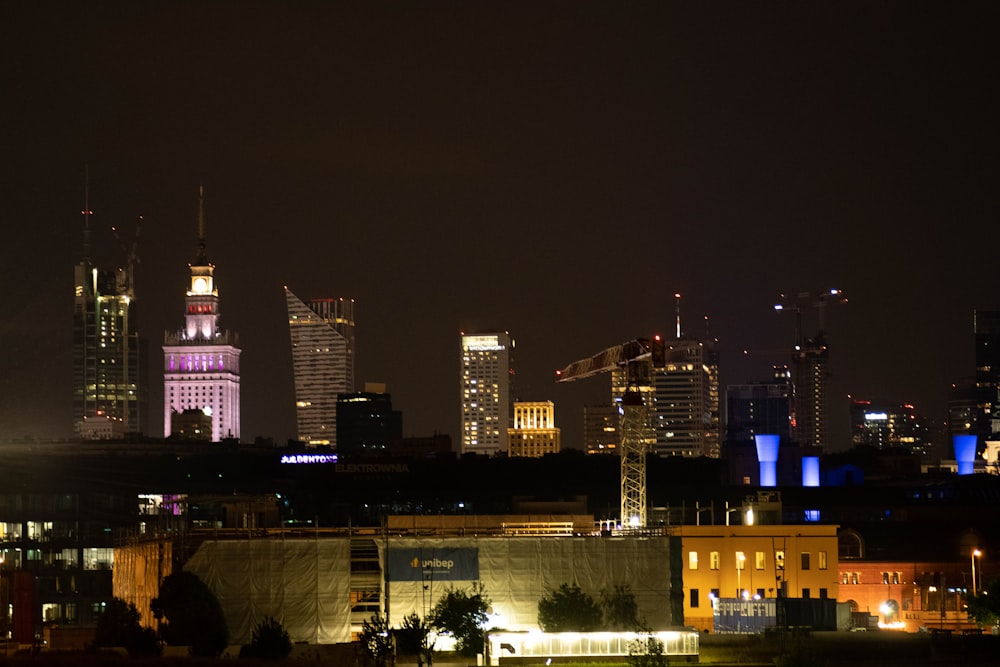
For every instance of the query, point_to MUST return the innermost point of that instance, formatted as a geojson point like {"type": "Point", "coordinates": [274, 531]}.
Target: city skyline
{"type": "Point", "coordinates": [558, 171]}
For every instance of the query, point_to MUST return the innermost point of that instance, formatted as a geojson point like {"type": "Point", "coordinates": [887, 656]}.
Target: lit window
{"type": "Point", "coordinates": [713, 560]}
{"type": "Point", "coordinates": [759, 561]}
{"type": "Point", "coordinates": [692, 560]}
{"type": "Point", "coordinates": [821, 560]}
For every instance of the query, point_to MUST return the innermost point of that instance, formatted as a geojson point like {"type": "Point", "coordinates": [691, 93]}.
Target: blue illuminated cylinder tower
{"type": "Point", "coordinates": [810, 471]}
{"type": "Point", "coordinates": [767, 456]}
{"type": "Point", "coordinates": [965, 452]}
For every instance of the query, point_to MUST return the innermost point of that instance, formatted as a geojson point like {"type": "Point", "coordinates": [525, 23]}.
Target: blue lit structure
{"type": "Point", "coordinates": [965, 452]}
{"type": "Point", "coordinates": [810, 471]}
{"type": "Point", "coordinates": [767, 456]}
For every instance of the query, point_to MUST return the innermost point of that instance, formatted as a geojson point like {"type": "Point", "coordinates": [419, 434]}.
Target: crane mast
{"type": "Point", "coordinates": [632, 448]}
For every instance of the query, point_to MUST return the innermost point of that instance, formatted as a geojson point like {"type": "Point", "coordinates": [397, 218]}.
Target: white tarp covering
{"type": "Point", "coordinates": [517, 571]}
{"type": "Point", "coordinates": [302, 583]}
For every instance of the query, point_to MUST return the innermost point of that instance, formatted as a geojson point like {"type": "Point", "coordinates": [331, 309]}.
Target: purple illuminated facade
{"type": "Point", "coordinates": [201, 363]}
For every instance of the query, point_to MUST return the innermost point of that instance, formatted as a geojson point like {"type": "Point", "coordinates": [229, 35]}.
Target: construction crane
{"type": "Point", "coordinates": [809, 366]}
{"type": "Point", "coordinates": [632, 449]}
{"type": "Point", "coordinates": [817, 299]}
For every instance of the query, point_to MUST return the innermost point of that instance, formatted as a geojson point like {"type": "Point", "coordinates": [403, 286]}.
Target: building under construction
{"type": "Point", "coordinates": [322, 584]}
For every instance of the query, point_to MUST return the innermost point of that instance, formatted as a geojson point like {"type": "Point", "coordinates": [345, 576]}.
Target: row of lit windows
{"type": "Point", "coordinates": [694, 598]}
{"type": "Point", "coordinates": [855, 577]}
{"type": "Point", "coordinates": [760, 560]}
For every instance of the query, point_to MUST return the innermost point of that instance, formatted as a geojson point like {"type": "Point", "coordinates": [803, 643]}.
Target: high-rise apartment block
{"type": "Point", "coordinates": [486, 386]}
{"type": "Point", "coordinates": [201, 362]}
{"type": "Point", "coordinates": [322, 338]}
{"type": "Point", "coordinates": [534, 432]}
{"type": "Point", "coordinates": [987, 336]}
{"type": "Point", "coordinates": [686, 406]}
{"type": "Point", "coordinates": [600, 429]}
{"type": "Point", "coordinates": [810, 368]}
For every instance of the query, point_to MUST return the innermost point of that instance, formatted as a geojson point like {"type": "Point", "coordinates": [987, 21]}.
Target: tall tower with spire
{"type": "Point", "coordinates": [201, 363]}
{"type": "Point", "coordinates": [109, 394]}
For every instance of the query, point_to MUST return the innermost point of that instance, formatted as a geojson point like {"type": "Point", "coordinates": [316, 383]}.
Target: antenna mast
{"type": "Point", "coordinates": [202, 256]}
{"type": "Point", "coordinates": [86, 212]}
{"type": "Point", "coordinates": [677, 302]}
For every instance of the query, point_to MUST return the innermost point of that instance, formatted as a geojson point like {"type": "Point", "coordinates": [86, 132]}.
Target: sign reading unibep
{"type": "Point", "coordinates": [423, 564]}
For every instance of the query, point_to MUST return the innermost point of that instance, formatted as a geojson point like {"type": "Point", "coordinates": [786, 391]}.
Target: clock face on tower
{"type": "Point", "coordinates": [200, 285]}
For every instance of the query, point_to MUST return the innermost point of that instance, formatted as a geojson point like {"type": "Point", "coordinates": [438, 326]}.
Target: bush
{"type": "Point", "coordinates": [376, 640]}
{"type": "Point", "coordinates": [269, 640]}
{"type": "Point", "coordinates": [411, 637]}
{"type": "Point", "coordinates": [118, 625]}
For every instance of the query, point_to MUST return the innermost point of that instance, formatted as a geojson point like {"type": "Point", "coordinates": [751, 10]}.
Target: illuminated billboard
{"type": "Point", "coordinates": [433, 564]}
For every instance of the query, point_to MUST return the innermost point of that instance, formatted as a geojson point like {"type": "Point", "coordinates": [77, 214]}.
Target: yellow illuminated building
{"type": "Point", "coordinates": [534, 433]}
{"type": "Point", "coordinates": [748, 561]}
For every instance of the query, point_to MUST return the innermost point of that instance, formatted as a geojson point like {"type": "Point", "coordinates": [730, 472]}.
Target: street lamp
{"type": "Point", "coordinates": [740, 559]}
{"type": "Point", "coordinates": [975, 554]}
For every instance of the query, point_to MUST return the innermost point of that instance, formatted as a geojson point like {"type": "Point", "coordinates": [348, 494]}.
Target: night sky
{"type": "Point", "coordinates": [556, 169]}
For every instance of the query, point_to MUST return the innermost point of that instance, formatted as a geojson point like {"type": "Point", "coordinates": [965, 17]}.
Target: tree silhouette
{"type": "Point", "coordinates": [620, 609]}
{"type": "Point", "coordinates": [462, 614]}
{"type": "Point", "coordinates": [118, 625]}
{"type": "Point", "coordinates": [376, 639]}
{"type": "Point", "coordinates": [190, 615]}
{"type": "Point", "coordinates": [569, 609]}
{"type": "Point", "coordinates": [985, 607]}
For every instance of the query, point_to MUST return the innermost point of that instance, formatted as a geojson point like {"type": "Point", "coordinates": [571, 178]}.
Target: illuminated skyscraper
{"type": "Point", "coordinates": [986, 420]}
{"type": "Point", "coordinates": [486, 385]}
{"type": "Point", "coordinates": [322, 337]}
{"type": "Point", "coordinates": [534, 433]}
{"type": "Point", "coordinates": [109, 390]}
{"type": "Point", "coordinates": [202, 363]}
{"type": "Point", "coordinates": [810, 368]}
{"type": "Point", "coordinates": [685, 412]}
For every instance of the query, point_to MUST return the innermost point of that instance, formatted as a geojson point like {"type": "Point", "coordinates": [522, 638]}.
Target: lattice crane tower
{"type": "Point", "coordinates": [632, 448]}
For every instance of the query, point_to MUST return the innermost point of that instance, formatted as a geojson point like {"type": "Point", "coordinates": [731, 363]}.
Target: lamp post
{"type": "Point", "coordinates": [975, 554]}
{"type": "Point", "coordinates": [740, 559]}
